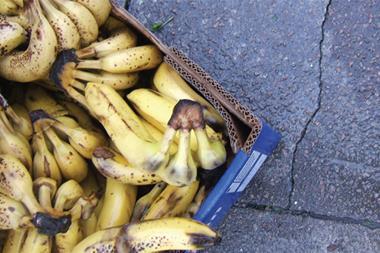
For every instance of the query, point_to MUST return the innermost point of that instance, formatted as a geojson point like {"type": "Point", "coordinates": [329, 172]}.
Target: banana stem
{"type": "Point", "coordinates": [89, 64]}
{"type": "Point", "coordinates": [53, 137]}
{"type": "Point", "coordinates": [78, 85]}
{"type": "Point", "coordinates": [86, 52]}
{"type": "Point", "coordinates": [44, 196]}
{"type": "Point", "coordinates": [86, 76]}
{"type": "Point", "coordinates": [32, 205]}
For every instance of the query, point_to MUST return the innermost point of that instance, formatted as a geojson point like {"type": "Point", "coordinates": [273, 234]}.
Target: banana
{"type": "Point", "coordinates": [21, 18]}
{"type": "Point", "coordinates": [20, 119]}
{"type": "Point", "coordinates": [144, 203]}
{"type": "Point", "coordinates": [119, 201]}
{"type": "Point", "coordinates": [13, 214]}
{"type": "Point", "coordinates": [82, 18]}
{"type": "Point", "coordinates": [90, 184]}
{"type": "Point", "coordinates": [99, 8]}
{"type": "Point", "coordinates": [15, 241]}
{"type": "Point", "coordinates": [126, 60]}
{"type": "Point", "coordinates": [8, 7]}
{"type": "Point", "coordinates": [112, 24]}
{"type": "Point", "coordinates": [168, 82]}
{"type": "Point", "coordinates": [66, 31]}
{"type": "Point", "coordinates": [36, 242]}
{"type": "Point", "coordinates": [33, 63]}
{"type": "Point", "coordinates": [165, 234]}
{"type": "Point", "coordinates": [14, 143]}
{"type": "Point", "coordinates": [197, 202]}
{"type": "Point", "coordinates": [11, 36]}
{"type": "Point", "coordinates": [19, 3]}
{"type": "Point", "coordinates": [67, 195]}
{"type": "Point", "coordinates": [101, 241]}
{"type": "Point", "coordinates": [79, 115]}
{"type": "Point", "coordinates": [116, 81]}
{"type": "Point", "coordinates": [120, 39]}
{"type": "Point", "coordinates": [82, 140]}
{"type": "Point", "coordinates": [37, 98]}
{"type": "Point", "coordinates": [173, 201]}
{"type": "Point", "coordinates": [71, 164]}
{"type": "Point", "coordinates": [112, 165]}
{"type": "Point", "coordinates": [120, 123]}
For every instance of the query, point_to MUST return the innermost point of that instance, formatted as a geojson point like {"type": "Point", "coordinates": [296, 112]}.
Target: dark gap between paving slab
{"type": "Point", "coordinates": [270, 232]}
{"type": "Point", "coordinates": [337, 169]}
{"type": "Point", "coordinates": [264, 52]}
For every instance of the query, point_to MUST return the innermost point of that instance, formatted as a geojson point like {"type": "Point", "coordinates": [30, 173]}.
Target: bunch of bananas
{"type": "Point", "coordinates": [102, 152]}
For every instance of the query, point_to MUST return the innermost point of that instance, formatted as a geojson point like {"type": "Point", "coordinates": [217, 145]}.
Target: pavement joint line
{"type": "Point", "coordinates": [373, 225]}
{"type": "Point", "coordinates": [319, 99]}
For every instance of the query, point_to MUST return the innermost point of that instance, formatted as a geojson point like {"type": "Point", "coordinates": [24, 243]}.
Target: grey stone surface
{"type": "Point", "coordinates": [264, 52]}
{"type": "Point", "coordinates": [337, 169]}
{"type": "Point", "coordinates": [269, 232]}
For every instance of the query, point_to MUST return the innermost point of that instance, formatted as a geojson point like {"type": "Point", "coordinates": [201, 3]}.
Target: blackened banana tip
{"type": "Point", "coordinates": [51, 226]}
{"type": "Point", "coordinates": [63, 59]}
{"type": "Point", "coordinates": [38, 114]}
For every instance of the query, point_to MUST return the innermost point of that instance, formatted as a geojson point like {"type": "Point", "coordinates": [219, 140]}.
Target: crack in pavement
{"type": "Point", "coordinates": [319, 99]}
{"type": "Point", "coordinates": [373, 225]}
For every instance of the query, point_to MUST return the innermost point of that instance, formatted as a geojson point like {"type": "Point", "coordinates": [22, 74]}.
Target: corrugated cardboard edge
{"type": "Point", "coordinates": [223, 101]}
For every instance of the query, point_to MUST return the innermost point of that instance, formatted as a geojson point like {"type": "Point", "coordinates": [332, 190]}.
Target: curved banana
{"type": "Point", "coordinates": [71, 164]}
{"type": "Point", "coordinates": [126, 60]}
{"type": "Point", "coordinates": [21, 18]}
{"type": "Point", "coordinates": [112, 24]}
{"type": "Point", "coordinates": [8, 7]}
{"type": "Point", "coordinates": [168, 82]}
{"type": "Point", "coordinates": [11, 36]}
{"type": "Point", "coordinates": [116, 81]}
{"type": "Point", "coordinates": [173, 201]}
{"type": "Point", "coordinates": [80, 115]}
{"type": "Point", "coordinates": [120, 39]}
{"type": "Point", "coordinates": [101, 9]}
{"type": "Point", "coordinates": [82, 18]}
{"type": "Point", "coordinates": [20, 119]}
{"type": "Point", "coordinates": [14, 143]}
{"type": "Point", "coordinates": [144, 203]}
{"type": "Point", "coordinates": [33, 63]}
{"type": "Point", "coordinates": [197, 202]}
{"type": "Point", "coordinates": [67, 195]}
{"type": "Point", "coordinates": [15, 241]}
{"type": "Point", "coordinates": [101, 241]}
{"type": "Point", "coordinates": [37, 98]}
{"type": "Point", "coordinates": [165, 234]}
{"type": "Point", "coordinates": [119, 201]}
{"type": "Point", "coordinates": [112, 165]}
{"type": "Point", "coordinates": [13, 214]}
{"type": "Point", "coordinates": [66, 31]}
{"type": "Point", "coordinates": [157, 135]}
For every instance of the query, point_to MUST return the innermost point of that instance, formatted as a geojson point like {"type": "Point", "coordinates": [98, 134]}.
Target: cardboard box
{"type": "Point", "coordinates": [251, 139]}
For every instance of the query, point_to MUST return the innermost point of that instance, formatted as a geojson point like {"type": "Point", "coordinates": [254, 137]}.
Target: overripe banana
{"type": "Point", "coordinates": [82, 18]}
{"type": "Point", "coordinates": [119, 201]}
{"type": "Point", "coordinates": [112, 165]}
{"type": "Point", "coordinates": [13, 214]}
{"type": "Point", "coordinates": [8, 7]}
{"type": "Point", "coordinates": [20, 119]}
{"type": "Point", "coordinates": [101, 241]}
{"type": "Point", "coordinates": [66, 31]}
{"type": "Point", "coordinates": [36, 242]}
{"type": "Point", "coordinates": [71, 164]}
{"type": "Point", "coordinates": [99, 8]}
{"type": "Point", "coordinates": [173, 201]}
{"type": "Point", "coordinates": [116, 81]}
{"type": "Point", "coordinates": [15, 240]}
{"type": "Point", "coordinates": [33, 63]}
{"type": "Point", "coordinates": [120, 39]}
{"type": "Point", "coordinates": [144, 203]}
{"type": "Point", "coordinates": [165, 234]}
{"type": "Point", "coordinates": [126, 60]}
{"type": "Point", "coordinates": [11, 36]}
{"type": "Point", "coordinates": [168, 82]}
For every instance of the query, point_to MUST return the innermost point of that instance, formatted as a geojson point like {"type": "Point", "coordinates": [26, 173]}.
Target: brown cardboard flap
{"type": "Point", "coordinates": [228, 106]}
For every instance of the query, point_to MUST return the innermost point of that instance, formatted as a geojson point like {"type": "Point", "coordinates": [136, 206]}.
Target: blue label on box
{"type": "Point", "coordinates": [236, 178]}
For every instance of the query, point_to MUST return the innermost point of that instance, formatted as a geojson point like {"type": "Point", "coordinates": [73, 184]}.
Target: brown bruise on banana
{"type": "Point", "coordinates": [6, 185]}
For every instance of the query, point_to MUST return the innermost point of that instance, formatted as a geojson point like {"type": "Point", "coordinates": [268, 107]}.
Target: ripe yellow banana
{"type": "Point", "coordinates": [71, 164]}
{"type": "Point", "coordinates": [12, 142]}
{"type": "Point", "coordinates": [99, 8]}
{"type": "Point", "coordinates": [13, 214]}
{"type": "Point", "coordinates": [101, 241]}
{"type": "Point", "coordinates": [165, 234]}
{"type": "Point", "coordinates": [173, 201]}
{"type": "Point", "coordinates": [36, 242]}
{"type": "Point", "coordinates": [15, 241]}
{"type": "Point", "coordinates": [197, 202]}
{"type": "Point", "coordinates": [168, 82]}
{"type": "Point", "coordinates": [8, 7]}
{"type": "Point", "coordinates": [67, 195]}
{"type": "Point", "coordinates": [80, 115]}
{"type": "Point", "coordinates": [37, 98]}
{"type": "Point", "coordinates": [119, 201]}
{"type": "Point", "coordinates": [66, 31]}
{"type": "Point", "coordinates": [20, 119]}
{"type": "Point", "coordinates": [21, 18]}
{"type": "Point", "coordinates": [33, 63]}
{"type": "Point", "coordinates": [112, 24]}
{"type": "Point", "coordinates": [112, 165]}
{"type": "Point", "coordinates": [145, 202]}
{"type": "Point", "coordinates": [82, 18]}
{"type": "Point", "coordinates": [126, 60]}
{"type": "Point", "coordinates": [120, 39]}
{"type": "Point", "coordinates": [120, 123]}
{"type": "Point", "coordinates": [11, 36]}
{"type": "Point", "coordinates": [19, 3]}
{"type": "Point", "coordinates": [116, 81]}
